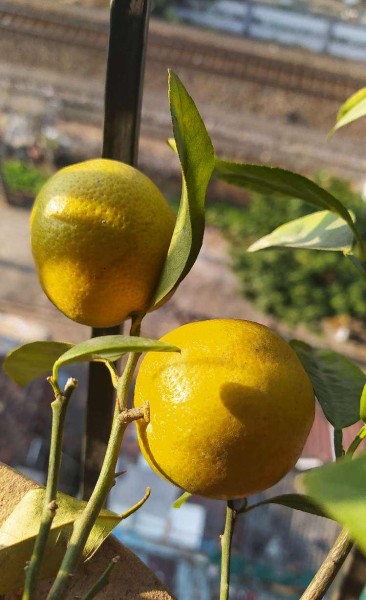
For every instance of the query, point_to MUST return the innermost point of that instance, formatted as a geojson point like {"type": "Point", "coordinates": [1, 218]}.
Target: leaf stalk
{"type": "Point", "coordinates": [357, 441]}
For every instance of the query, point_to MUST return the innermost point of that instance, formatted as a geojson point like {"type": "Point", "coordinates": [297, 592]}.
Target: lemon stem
{"type": "Point", "coordinates": [226, 540]}
{"type": "Point", "coordinates": [84, 524]}
{"type": "Point", "coordinates": [59, 409]}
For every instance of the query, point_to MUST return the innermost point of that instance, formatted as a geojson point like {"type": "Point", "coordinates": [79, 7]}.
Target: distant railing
{"type": "Point", "coordinates": [283, 25]}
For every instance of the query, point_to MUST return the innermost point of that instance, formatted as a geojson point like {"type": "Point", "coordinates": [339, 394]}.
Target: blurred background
{"type": "Point", "coordinates": [268, 78]}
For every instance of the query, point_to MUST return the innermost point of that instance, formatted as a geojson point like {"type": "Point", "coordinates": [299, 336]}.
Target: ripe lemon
{"type": "Point", "coordinates": [230, 415]}
{"type": "Point", "coordinates": [100, 232]}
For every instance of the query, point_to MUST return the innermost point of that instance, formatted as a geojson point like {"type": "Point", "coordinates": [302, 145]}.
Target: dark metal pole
{"type": "Point", "coordinates": [123, 95]}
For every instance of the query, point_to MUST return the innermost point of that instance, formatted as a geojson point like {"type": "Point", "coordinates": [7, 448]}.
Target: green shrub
{"type": "Point", "coordinates": [293, 285]}
{"type": "Point", "coordinates": [23, 177]}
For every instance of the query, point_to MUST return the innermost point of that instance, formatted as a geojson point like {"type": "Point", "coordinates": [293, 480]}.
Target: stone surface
{"type": "Point", "coordinates": [131, 578]}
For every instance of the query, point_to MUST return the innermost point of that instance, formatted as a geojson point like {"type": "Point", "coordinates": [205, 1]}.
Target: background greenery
{"type": "Point", "coordinates": [293, 285]}
{"type": "Point", "coordinates": [23, 177]}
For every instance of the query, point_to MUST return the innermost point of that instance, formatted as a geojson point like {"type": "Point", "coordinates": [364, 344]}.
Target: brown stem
{"type": "Point", "coordinates": [133, 414]}
{"type": "Point", "coordinates": [330, 568]}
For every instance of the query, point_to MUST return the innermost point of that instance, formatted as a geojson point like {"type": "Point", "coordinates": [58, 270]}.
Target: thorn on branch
{"type": "Point", "coordinates": [133, 414]}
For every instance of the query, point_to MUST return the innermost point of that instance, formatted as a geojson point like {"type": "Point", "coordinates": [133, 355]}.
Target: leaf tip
{"type": "Point", "coordinates": [258, 245]}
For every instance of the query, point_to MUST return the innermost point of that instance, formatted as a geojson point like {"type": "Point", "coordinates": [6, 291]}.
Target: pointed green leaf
{"type": "Point", "coordinates": [321, 230]}
{"type": "Point", "coordinates": [337, 383]}
{"type": "Point", "coordinates": [32, 360]}
{"type": "Point", "coordinates": [181, 500]}
{"type": "Point", "coordinates": [295, 501]}
{"type": "Point", "coordinates": [272, 180]}
{"type": "Point", "coordinates": [340, 489]}
{"type": "Point", "coordinates": [111, 348]}
{"type": "Point", "coordinates": [197, 161]}
{"type": "Point", "coordinates": [18, 533]}
{"type": "Point", "coordinates": [363, 405]}
{"type": "Point", "coordinates": [354, 108]}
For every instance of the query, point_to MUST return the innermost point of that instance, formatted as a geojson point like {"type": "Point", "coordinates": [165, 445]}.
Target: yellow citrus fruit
{"type": "Point", "coordinates": [230, 415]}
{"type": "Point", "coordinates": [100, 232]}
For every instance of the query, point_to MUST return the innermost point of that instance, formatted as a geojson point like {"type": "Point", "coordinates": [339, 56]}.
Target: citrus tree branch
{"type": "Point", "coordinates": [329, 569]}
{"type": "Point", "coordinates": [84, 524]}
{"type": "Point", "coordinates": [226, 540]}
{"type": "Point", "coordinates": [59, 409]}
{"type": "Point", "coordinates": [102, 581]}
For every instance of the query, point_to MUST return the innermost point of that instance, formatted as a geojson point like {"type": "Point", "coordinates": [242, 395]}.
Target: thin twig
{"type": "Point", "coordinates": [226, 539]}
{"type": "Point", "coordinates": [330, 568]}
{"type": "Point", "coordinates": [102, 581]}
{"type": "Point", "coordinates": [59, 409]}
{"type": "Point", "coordinates": [84, 524]}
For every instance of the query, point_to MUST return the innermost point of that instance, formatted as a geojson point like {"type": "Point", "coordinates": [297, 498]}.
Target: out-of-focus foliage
{"type": "Point", "coordinates": [167, 9]}
{"type": "Point", "coordinates": [299, 286]}
{"type": "Point", "coordinates": [20, 176]}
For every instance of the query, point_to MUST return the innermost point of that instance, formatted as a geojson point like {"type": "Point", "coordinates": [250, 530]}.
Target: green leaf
{"type": "Point", "coordinates": [340, 489]}
{"type": "Point", "coordinates": [295, 501]}
{"type": "Point", "coordinates": [321, 230]}
{"type": "Point", "coordinates": [32, 360]}
{"type": "Point", "coordinates": [272, 180]}
{"type": "Point", "coordinates": [111, 348]}
{"type": "Point", "coordinates": [181, 500]}
{"type": "Point", "coordinates": [337, 383]}
{"type": "Point", "coordinates": [354, 108]}
{"type": "Point", "coordinates": [363, 405]}
{"type": "Point", "coordinates": [18, 533]}
{"type": "Point", "coordinates": [197, 161]}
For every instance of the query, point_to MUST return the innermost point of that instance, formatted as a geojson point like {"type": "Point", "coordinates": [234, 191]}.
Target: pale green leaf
{"type": "Point", "coordinates": [197, 161]}
{"type": "Point", "coordinates": [32, 360]}
{"type": "Point", "coordinates": [272, 180]}
{"type": "Point", "coordinates": [340, 489]}
{"type": "Point", "coordinates": [18, 533]}
{"type": "Point", "coordinates": [111, 348]}
{"type": "Point", "coordinates": [354, 108]}
{"type": "Point", "coordinates": [337, 383]}
{"type": "Point", "coordinates": [321, 230]}
{"type": "Point", "coordinates": [363, 405]}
